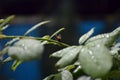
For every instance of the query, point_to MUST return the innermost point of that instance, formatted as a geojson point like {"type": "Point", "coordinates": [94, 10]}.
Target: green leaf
{"type": "Point", "coordinates": [15, 64]}
{"type": "Point", "coordinates": [4, 51]}
{"type": "Point", "coordinates": [8, 59]}
{"type": "Point", "coordinates": [69, 68]}
{"type": "Point", "coordinates": [36, 26]}
{"type": "Point", "coordinates": [11, 41]}
{"type": "Point", "coordinates": [107, 39]}
{"type": "Point", "coordinates": [1, 21]}
{"type": "Point", "coordinates": [66, 75]}
{"type": "Point", "coordinates": [114, 74]}
{"type": "Point", "coordinates": [49, 77]}
{"type": "Point", "coordinates": [5, 27]}
{"type": "Point", "coordinates": [86, 36]}
{"type": "Point", "coordinates": [115, 50]}
{"type": "Point", "coordinates": [6, 21]}
{"type": "Point", "coordinates": [58, 31]}
{"type": "Point", "coordinates": [84, 77]}
{"type": "Point", "coordinates": [69, 57]}
{"type": "Point", "coordinates": [77, 69]}
{"type": "Point", "coordinates": [62, 52]}
{"type": "Point", "coordinates": [57, 77]}
{"type": "Point", "coordinates": [96, 61]}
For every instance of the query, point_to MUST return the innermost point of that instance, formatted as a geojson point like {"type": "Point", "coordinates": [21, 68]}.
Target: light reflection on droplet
{"type": "Point", "coordinates": [90, 52]}
{"type": "Point", "coordinates": [107, 35]}
{"type": "Point", "coordinates": [23, 45]}
{"type": "Point", "coordinates": [103, 35]}
{"type": "Point", "coordinates": [98, 45]}
{"type": "Point", "coordinates": [82, 50]}
{"type": "Point", "coordinates": [92, 56]}
{"type": "Point", "coordinates": [25, 48]}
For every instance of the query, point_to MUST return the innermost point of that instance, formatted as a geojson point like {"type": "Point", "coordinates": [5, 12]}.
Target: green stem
{"type": "Point", "coordinates": [51, 41]}
{"type": "Point", "coordinates": [43, 39]}
{"type": "Point", "coordinates": [47, 40]}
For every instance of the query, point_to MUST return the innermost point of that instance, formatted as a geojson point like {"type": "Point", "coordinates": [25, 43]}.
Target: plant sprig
{"type": "Point", "coordinates": [49, 40]}
{"type": "Point", "coordinates": [4, 22]}
{"type": "Point", "coordinates": [37, 38]}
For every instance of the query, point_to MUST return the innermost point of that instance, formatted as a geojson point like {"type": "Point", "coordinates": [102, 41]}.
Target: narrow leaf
{"type": "Point", "coordinates": [15, 64]}
{"type": "Point", "coordinates": [5, 27]}
{"type": "Point", "coordinates": [4, 51]}
{"type": "Point", "coordinates": [62, 52]}
{"type": "Point", "coordinates": [2, 20]}
{"type": "Point", "coordinates": [58, 31]}
{"type": "Point", "coordinates": [36, 26]}
{"type": "Point", "coordinates": [69, 57]}
{"type": "Point", "coordinates": [86, 36]}
{"type": "Point", "coordinates": [77, 69]}
{"type": "Point", "coordinates": [58, 77]}
{"type": "Point", "coordinates": [6, 21]}
{"type": "Point", "coordinates": [8, 59]}
{"type": "Point", "coordinates": [12, 41]}
{"type": "Point", "coordinates": [49, 77]}
{"type": "Point", "coordinates": [66, 75]}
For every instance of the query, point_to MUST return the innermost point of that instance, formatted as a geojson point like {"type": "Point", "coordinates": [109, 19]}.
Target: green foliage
{"type": "Point", "coordinates": [94, 57]}
{"type": "Point", "coordinates": [97, 58]}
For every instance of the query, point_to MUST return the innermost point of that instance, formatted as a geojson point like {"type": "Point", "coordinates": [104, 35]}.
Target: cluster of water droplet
{"type": "Point", "coordinates": [26, 50]}
{"type": "Point", "coordinates": [93, 54]}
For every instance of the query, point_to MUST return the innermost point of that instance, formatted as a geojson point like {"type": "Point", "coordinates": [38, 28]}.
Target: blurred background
{"type": "Point", "coordinates": [77, 16]}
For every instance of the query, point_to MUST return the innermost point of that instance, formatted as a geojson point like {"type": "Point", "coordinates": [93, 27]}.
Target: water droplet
{"type": "Point", "coordinates": [118, 57]}
{"type": "Point", "coordinates": [23, 45]}
{"type": "Point", "coordinates": [102, 35]}
{"type": "Point", "coordinates": [93, 57]}
{"type": "Point", "coordinates": [98, 45]}
{"type": "Point", "coordinates": [25, 48]}
{"type": "Point", "coordinates": [107, 35]}
{"type": "Point", "coordinates": [90, 52]}
{"type": "Point", "coordinates": [82, 50]}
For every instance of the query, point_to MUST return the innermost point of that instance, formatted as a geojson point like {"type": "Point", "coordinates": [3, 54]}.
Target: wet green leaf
{"type": "Point", "coordinates": [69, 57]}
{"type": "Point", "coordinates": [58, 31]}
{"type": "Point", "coordinates": [1, 20]}
{"type": "Point", "coordinates": [107, 39]}
{"type": "Point", "coordinates": [5, 27]}
{"type": "Point", "coordinates": [26, 50]}
{"type": "Point", "coordinates": [58, 77]}
{"type": "Point", "coordinates": [35, 27]}
{"type": "Point", "coordinates": [96, 60]}
{"type": "Point", "coordinates": [11, 41]}
{"type": "Point", "coordinates": [77, 69]}
{"type": "Point", "coordinates": [15, 64]}
{"type": "Point", "coordinates": [62, 52]}
{"type": "Point", "coordinates": [114, 74]}
{"type": "Point", "coordinates": [84, 37]}
{"type": "Point", "coordinates": [49, 77]}
{"type": "Point", "coordinates": [66, 75]}
{"type": "Point", "coordinates": [8, 59]}
{"type": "Point", "coordinates": [5, 22]}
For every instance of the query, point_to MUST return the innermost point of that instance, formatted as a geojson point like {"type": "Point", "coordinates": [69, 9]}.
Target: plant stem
{"type": "Point", "coordinates": [51, 41]}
